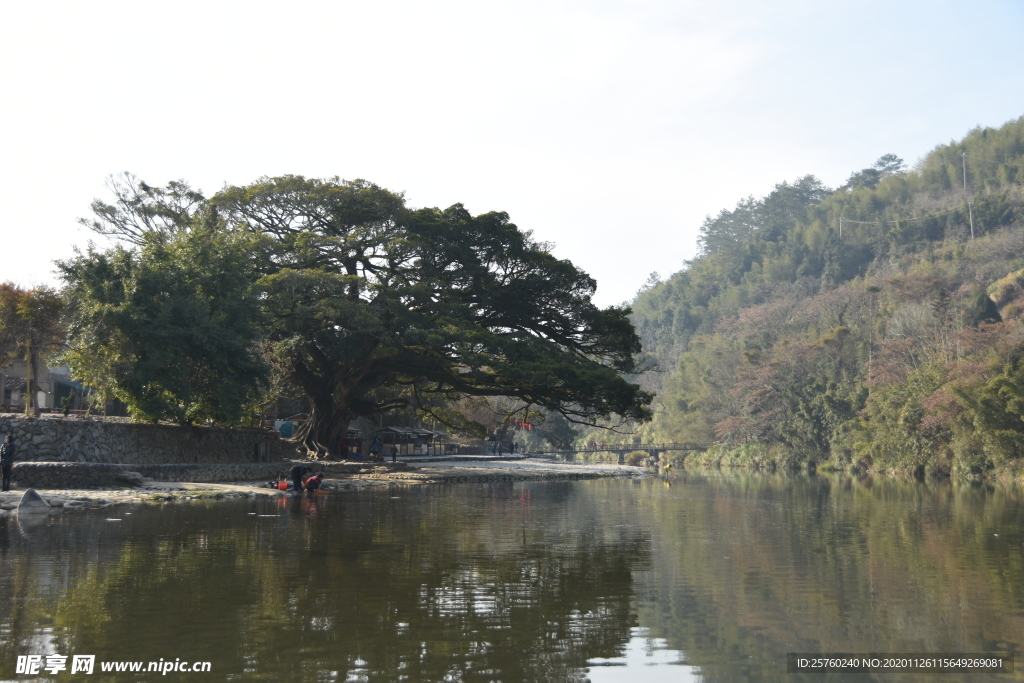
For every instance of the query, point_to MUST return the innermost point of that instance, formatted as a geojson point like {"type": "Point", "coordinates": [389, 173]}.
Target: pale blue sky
{"type": "Point", "coordinates": [610, 128]}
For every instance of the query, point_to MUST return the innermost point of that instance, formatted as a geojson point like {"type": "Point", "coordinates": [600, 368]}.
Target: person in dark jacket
{"type": "Point", "coordinates": [7, 453]}
{"type": "Point", "coordinates": [297, 473]}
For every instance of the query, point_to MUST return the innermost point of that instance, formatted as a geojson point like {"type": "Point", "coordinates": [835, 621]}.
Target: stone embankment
{"type": "Point", "coordinates": [54, 438]}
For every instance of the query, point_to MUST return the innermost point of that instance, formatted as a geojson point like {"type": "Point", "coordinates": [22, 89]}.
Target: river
{"type": "Point", "coordinates": [712, 576]}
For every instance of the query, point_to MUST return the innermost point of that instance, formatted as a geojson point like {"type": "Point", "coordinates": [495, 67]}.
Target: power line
{"type": "Point", "coordinates": [970, 209]}
{"type": "Point", "coordinates": [893, 222]}
{"type": "Point", "coordinates": [994, 155]}
{"type": "Point", "coordinates": [947, 158]}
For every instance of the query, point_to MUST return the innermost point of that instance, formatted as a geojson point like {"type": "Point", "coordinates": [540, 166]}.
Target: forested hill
{"type": "Point", "coordinates": [876, 325]}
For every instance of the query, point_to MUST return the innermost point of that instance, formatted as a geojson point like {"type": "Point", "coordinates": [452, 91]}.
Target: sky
{"type": "Point", "coordinates": [607, 128]}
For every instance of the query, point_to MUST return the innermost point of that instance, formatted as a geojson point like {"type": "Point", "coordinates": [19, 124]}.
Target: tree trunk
{"type": "Point", "coordinates": [324, 430]}
{"type": "Point", "coordinates": [30, 375]}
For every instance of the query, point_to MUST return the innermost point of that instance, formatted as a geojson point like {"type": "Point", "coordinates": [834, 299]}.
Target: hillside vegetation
{"type": "Point", "coordinates": [895, 345]}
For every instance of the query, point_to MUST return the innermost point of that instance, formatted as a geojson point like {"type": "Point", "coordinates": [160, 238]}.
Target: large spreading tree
{"type": "Point", "coordinates": [369, 306]}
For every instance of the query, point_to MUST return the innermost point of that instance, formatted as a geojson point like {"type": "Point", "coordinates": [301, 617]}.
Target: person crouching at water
{"type": "Point", "coordinates": [315, 482]}
{"type": "Point", "coordinates": [297, 473]}
{"type": "Point", "coordinates": [7, 453]}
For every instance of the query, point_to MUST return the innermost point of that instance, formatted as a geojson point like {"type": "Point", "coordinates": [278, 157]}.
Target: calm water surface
{"type": "Point", "coordinates": [710, 578]}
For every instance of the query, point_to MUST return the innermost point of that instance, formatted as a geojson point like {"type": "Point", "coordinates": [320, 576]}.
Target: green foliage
{"type": "Point", "coordinates": [360, 303]}
{"type": "Point", "coordinates": [995, 410]}
{"type": "Point", "coordinates": [558, 431]}
{"type": "Point", "coordinates": [637, 458]}
{"type": "Point", "coordinates": [31, 320]}
{"type": "Point", "coordinates": [142, 213]}
{"type": "Point", "coordinates": [169, 328]}
{"type": "Point", "coordinates": [887, 165]}
{"type": "Point", "coordinates": [848, 345]}
{"type": "Point", "coordinates": [980, 307]}
{"type": "Point", "coordinates": [32, 323]}
{"type": "Point", "coordinates": [895, 415]}
{"type": "Point", "coordinates": [749, 454]}
{"type": "Point", "coordinates": [361, 294]}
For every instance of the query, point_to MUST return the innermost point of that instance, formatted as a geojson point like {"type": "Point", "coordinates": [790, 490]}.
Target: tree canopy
{"type": "Point", "coordinates": [367, 305]}
{"type": "Point", "coordinates": [31, 326]}
{"type": "Point", "coordinates": [877, 323]}
{"type": "Point", "coordinates": [170, 327]}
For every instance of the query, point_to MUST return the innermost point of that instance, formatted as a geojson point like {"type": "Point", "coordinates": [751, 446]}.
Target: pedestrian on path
{"type": "Point", "coordinates": [7, 453]}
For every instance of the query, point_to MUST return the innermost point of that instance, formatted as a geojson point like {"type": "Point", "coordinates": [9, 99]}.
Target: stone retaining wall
{"type": "Point", "coordinates": [59, 439]}
{"type": "Point", "coordinates": [66, 475]}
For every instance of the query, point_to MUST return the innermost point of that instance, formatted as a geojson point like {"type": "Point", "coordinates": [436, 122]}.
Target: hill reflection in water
{"type": "Point", "coordinates": [716, 576]}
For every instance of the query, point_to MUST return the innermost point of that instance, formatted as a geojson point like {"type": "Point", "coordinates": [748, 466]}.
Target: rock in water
{"type": "Point", "coordinates": [32, 501]}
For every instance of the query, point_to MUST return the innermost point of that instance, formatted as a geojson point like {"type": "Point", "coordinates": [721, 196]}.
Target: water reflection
{"type": "Point", "coordinates": [715, 577]}
{"type": "Point", "coordinates": [750, 566]}
{"type": "Point", "coordinates": [467, 584]}
{"type": "Point", "coordinates": [643, 657]}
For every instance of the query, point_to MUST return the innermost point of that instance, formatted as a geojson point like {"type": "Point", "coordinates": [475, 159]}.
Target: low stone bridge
{"type": "Point", "coordinates": [654, 450]}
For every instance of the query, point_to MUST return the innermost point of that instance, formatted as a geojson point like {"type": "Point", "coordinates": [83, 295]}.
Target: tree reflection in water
{"type": "Point", "coordinates": [463, 583]}
{"type": "Point", "coordinates": [530, 582]}
{"type": "Point", "coordinates": [751, 565]}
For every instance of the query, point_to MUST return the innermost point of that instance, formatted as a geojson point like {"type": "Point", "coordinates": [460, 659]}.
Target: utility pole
{"type": "Point", "coordinates": [970, 209]}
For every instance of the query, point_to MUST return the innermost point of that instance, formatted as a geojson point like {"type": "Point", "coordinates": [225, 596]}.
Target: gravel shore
{"type": "Point", "coordinates": [435, 471]}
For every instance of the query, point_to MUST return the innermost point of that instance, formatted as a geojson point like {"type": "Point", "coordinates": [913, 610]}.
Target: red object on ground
{"type": "Point", "coordinates": [282, 486]}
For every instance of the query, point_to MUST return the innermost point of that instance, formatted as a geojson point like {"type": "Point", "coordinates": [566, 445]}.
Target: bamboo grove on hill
{"type": "Point", "coordinates": [895, 344]}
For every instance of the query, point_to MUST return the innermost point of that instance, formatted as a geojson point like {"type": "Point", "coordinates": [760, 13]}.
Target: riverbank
{"type": "Point", "coordinates": [771, 457]}
{"type": "Point", "coordinates": [340, 477]}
